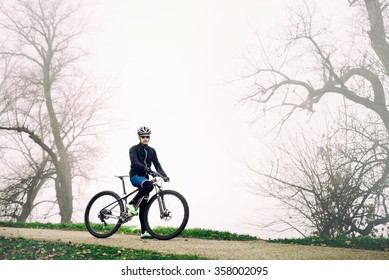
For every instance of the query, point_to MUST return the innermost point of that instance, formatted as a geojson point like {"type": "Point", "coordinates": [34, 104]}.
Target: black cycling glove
{"type": "Point", "coordinates": [166, 178]}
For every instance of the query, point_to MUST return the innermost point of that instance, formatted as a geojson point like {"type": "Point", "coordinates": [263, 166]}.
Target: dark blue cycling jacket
{"type": "Point", "coordinates": [142, 156]}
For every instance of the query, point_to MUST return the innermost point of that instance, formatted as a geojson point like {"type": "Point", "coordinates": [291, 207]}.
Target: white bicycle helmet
{"type": "Point", "coordinates": [144, 130]}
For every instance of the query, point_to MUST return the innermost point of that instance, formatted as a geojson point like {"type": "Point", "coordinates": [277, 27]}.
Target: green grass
{"type": "Point", "coordinates": [71, 226]}
{"type": "Point", "coordinates": [28, 249]}
{"type": "Point", "coordinates": [341, 241]}
{"type": "Point", "coordinates": [215, 234]}
{"type": "Point", "coordinates": [187, 233]}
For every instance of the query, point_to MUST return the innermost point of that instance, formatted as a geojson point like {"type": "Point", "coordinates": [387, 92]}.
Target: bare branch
{"type": "Point", "coordinates": [36, 139]}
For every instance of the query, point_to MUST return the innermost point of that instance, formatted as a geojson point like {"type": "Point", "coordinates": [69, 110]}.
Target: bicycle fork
{"type": "Point", "coordinates": [162, 206]}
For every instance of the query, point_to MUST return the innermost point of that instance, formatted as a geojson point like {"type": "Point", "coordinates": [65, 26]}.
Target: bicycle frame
{"type": "Point", "coordinates": [124, 188]}
{"type": "Point", "coordinates": [157, 182]}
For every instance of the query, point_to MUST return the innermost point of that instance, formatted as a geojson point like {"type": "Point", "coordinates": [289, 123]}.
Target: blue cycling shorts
{"type": "Point", "coordinates": [137, 181]}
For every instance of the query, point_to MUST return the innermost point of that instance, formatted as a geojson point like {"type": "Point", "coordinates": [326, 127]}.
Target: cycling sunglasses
{"type": "Point", "coordinates": [145, 137]}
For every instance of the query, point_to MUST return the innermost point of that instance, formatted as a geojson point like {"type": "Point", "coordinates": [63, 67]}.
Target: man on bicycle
{"type": "Point", "coordinates": [142, 156]}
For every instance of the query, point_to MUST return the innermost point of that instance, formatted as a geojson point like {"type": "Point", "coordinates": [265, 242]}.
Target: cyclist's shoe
{"type": "Point", "coordinates": [131, 208]}
{"type": "Point", "coordinates": [146, 235]}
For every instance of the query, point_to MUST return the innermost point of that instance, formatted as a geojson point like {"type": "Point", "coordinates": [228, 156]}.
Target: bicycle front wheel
{"type": "Point", "coordinates": [166, 215]}
{"type": "Point", "coordinates": [102, 214]}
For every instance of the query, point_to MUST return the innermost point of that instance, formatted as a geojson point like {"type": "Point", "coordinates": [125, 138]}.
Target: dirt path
{"type": "Point", "coordinates": [214, 249]}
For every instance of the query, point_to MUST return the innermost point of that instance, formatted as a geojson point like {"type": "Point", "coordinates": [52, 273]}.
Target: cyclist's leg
{"type": "Point", "coordinates": [144, 186]}
{"type": "Point", "coordinates": [142, 208]}
{"type": "Point", "coordinates": [137, 182]}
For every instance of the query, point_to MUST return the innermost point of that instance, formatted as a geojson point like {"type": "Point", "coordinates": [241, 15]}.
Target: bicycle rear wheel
{"type": "Point", "coordinates": [166, 215]}
{"type": "Point", "coordinates": [102, 214]}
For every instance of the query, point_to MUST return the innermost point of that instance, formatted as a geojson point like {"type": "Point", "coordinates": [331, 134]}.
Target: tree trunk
{"type": "Point", "coordinates": [64, 174]}
{"type": "Point", "coordinates": [377, 32]}
{"type": "Point", "coordinates": [34, 188]}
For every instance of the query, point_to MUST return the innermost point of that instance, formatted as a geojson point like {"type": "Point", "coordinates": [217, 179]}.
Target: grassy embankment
{"type": "Point", "coordinates": [29, 249]}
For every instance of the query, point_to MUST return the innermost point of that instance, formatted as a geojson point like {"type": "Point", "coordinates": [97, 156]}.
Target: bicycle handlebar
{"type": "Point", "coordinates": [151, 172]}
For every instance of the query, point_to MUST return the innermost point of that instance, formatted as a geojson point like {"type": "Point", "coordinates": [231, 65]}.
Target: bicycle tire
{"type": "Point", "coordinates": [89, 218]}
{"type": "Point", "coordinates": [153, 204]}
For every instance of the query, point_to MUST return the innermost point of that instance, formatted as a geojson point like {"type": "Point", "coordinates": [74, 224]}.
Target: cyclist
{"type": "Point", "coordinates": [141, 157]}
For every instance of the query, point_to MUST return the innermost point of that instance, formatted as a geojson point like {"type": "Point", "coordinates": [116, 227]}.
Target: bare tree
{"type": "Point", "coordinates": [331, 186]}
{"type": "Point", "coordinates": [18, 198]}
{"type": "Point", "coordinates": [45, 99]}
{"type": "Point", "coordinates": [299, 76]}
{"type": "Point", "coordinates": [360, 79]}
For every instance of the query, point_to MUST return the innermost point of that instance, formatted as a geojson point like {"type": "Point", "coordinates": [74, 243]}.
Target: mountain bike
{"type": "Point", "coordinates": [165, 215]}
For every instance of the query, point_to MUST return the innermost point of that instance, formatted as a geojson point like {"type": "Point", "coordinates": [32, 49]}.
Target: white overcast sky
{"type": "Point", "coordinates": [172, 62]}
